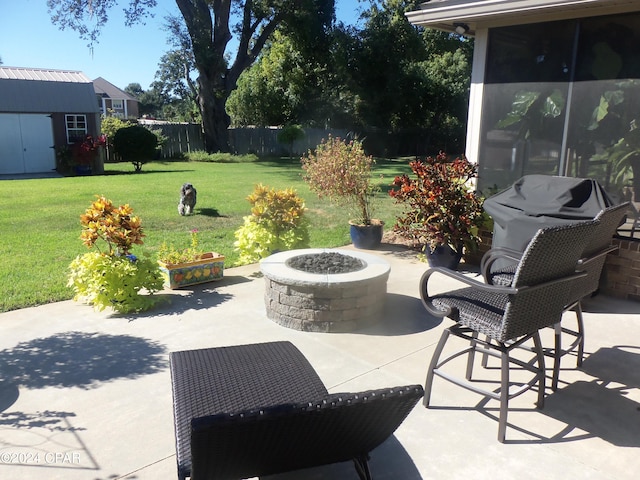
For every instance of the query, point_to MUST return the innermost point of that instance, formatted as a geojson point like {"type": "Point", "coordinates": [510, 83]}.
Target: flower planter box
{"type": "Point", "coordinates": [209, 268]}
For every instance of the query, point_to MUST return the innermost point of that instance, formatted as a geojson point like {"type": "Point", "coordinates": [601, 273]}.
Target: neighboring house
{"type": "Point", "coordinates": [555, 87]}
{"type": "Point", "coordinates": [113, 101]}
{"type": "Point", "coordinates": [40, 111]}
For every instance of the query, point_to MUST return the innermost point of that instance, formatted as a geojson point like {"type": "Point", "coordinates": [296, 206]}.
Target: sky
{"type": "Point", "coordinates": [123, 55]}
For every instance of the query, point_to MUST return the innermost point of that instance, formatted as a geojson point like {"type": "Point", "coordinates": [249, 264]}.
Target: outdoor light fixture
{"type": "Point", "coordinates": [461, 28]}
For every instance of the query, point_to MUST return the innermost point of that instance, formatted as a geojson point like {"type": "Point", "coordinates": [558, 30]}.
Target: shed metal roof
{"type": "Point", "coordinates": [45, 75]}
{"type": "Point", "coordinates": [28, 90]}
{"type": "Point", "coordinates": [443, 14]}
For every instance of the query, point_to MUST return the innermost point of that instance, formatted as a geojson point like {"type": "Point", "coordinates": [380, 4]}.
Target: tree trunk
{"type": "Point", "coordinates": [215, 121]}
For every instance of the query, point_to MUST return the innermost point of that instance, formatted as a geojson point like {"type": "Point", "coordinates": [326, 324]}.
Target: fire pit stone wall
{"type": "Point", "coordinates": [313, 302]}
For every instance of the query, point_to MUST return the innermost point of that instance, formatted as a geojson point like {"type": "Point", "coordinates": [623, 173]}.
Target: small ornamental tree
{"type": "Point", "coordinates": [135, 144]}
{"type": "Point", "coordinates": [109, 126]}
{"type": "Point", "coordinates": [276, 223]}
{"type": "Point", "coordinates": [113, 276]}
{"type": "Point", "coordinates": [340, 171]}
{"type": "Point", "coordinates": [439, 206]}
{"type": "Point", "coordinates": [289, 135]}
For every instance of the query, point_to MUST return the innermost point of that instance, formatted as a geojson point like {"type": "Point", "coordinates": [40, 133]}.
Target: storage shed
{"type": "Point", "coordinates": [41, 111]}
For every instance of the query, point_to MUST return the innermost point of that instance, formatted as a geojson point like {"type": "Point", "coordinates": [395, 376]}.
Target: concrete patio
{"type": "Point", "coordinates": [86, 395]}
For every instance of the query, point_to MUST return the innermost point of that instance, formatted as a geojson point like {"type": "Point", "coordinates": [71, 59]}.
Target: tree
{"type": "Point", "coordinates": [389, 75]}
{"type": "Point", "coordinates": [135, 144]}
{"type": "Point", "coordinates": [134, 89]}
{"type": "Point", "coordinates": [209, 29]}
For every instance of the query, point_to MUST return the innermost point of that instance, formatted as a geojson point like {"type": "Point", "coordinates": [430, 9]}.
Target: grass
{"type": "Point", "coordinates": [40, 229]}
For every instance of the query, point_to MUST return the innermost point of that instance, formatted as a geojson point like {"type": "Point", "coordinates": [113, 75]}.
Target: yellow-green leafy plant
{"type": "Point", "coordinates": [276, 223]}
{"type": "Point", "coordinates": [171, 255]}
{"type": "Point", "coordinates": [112, 276]}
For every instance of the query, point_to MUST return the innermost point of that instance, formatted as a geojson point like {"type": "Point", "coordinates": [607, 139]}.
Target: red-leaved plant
{"type": "Point", "coordinates": [440, 207]}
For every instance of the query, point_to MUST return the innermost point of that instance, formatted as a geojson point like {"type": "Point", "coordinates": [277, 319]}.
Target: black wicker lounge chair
{"type": "Point", "coordinates": [508, 316]}
{"type": "Point", "coordinates": [260, 409]}
{"type": "Point", "coordinates": [592, 262]}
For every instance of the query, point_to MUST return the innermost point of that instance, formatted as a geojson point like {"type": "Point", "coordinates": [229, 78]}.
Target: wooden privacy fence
{"type": "Point", "coordinates": [181, 138]}
{"type": "Point", "coordinates": [263, 141]}
{"type": "Point", "coordinates": [188, 137]}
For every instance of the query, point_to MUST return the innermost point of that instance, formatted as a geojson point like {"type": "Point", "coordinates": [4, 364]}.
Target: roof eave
{"type": "Point", "coordinates": [443, 14]}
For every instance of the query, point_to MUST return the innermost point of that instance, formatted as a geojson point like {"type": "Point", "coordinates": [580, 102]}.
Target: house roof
{"type": "Point", "coordinates": [445, 14]}
{"type": "Point", "coordinates": [35, 90]}
{"type": "Point", "coordinates": [109, 90]}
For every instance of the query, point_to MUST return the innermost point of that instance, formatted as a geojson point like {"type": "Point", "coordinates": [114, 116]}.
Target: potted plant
{"type": "Point", "coordinates": [113, 276]}
{"type": "Point", "coordinates": [277, 223]}
{"type": "Point", "coordinates": [189, 266]}
{"type": "Point", "coordinates": [441, 211]}
{"type": "Point", "coordinates": [85, 153]}
{"type": "Point", "coordinates": [341, 171]}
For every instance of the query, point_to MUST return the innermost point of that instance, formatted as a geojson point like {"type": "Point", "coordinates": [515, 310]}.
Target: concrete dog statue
{"type": "Point", "coordinates": [187, 199]}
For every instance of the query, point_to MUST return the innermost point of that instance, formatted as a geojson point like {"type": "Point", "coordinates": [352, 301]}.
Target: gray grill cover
{"type": "Point", "coordinates": [538, 201]}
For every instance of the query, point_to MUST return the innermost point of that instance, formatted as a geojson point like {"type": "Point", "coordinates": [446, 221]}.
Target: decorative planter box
{"type": "Point", "coordinates": [210, 267]}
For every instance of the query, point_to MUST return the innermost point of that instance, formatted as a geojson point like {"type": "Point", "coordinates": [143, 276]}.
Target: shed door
{"type": "Point", "coordinates": [26, 143]}
{"type": "Point", "coordinates": [11, 158]}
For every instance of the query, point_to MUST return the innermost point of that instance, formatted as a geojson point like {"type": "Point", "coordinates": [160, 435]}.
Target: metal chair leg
{"type": "Point", "coordinates": [432, 366]}
{"type": "Point", "coordinates": [471, 356]}
{"type": "Point", "coordinates": [362, 467]}
{"type": "Point", "coordinates": [541, 369]}
{"type": "Point", "coordinates": [504, 395]}
{"type": "Point", "coordinates": [580, 320]}
{"type": "Point", "coordinates": [557, 355]}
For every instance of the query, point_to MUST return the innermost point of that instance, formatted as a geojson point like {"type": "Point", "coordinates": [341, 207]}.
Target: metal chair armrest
{"type": "Point", "coordinates": [583, 262]}
{"type": "Point", "coordinates": [495, 254]}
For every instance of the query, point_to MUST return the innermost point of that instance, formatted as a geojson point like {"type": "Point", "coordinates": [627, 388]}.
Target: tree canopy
{"type": "Point", "coordinates": [387, 75]}
{"type": "Point", "coordinates": [210, 30]}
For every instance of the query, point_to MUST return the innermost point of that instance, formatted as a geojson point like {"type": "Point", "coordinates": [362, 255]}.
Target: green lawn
{"type": "Point", "coordinates": [40, 229]}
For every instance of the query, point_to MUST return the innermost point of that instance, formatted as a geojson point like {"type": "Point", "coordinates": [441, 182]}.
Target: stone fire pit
{"type": "Point", "coordinates": [324, 302]}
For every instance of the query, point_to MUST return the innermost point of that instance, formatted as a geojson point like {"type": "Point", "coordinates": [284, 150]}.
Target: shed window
{"type": "Point", "coordinates": [76, 127]}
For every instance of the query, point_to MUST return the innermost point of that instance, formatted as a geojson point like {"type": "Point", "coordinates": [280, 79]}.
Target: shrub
{"type": "Point", "coordinates": [219, 157]}
{"type": "Point", "coordinates": [276, 223]}
{"type": "Point", "coordinates": [440, 207]}
{"type": "Point", "coordinates": [113, 277]}
{"type": "Point", "coordinates": [109, 126]}
{"type": "Point", "coordinates": [340, 171]}
{"type": "Point", "coordinates": [111, 281]}
{"type": "Point", "coordinates": [135, 144]}
{"type": "Point", "coordinates": [289, 134]}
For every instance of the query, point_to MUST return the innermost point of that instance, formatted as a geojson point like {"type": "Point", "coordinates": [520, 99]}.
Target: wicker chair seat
{"type": "Point", "coordinates": [480, 310]}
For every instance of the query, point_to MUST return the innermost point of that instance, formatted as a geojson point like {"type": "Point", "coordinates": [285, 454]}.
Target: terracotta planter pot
{"type": "Point", "coordinates": [208, 268]}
